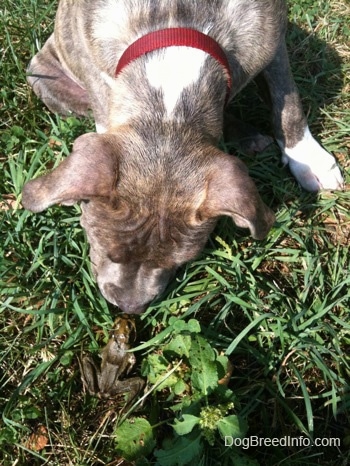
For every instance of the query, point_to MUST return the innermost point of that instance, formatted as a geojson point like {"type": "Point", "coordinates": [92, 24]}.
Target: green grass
{"type": "Point", "coordinates": [278, 308]}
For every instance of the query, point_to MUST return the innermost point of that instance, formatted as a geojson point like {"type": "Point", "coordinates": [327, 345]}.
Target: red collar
{"type": "Point", "coordinates": [176, 37]}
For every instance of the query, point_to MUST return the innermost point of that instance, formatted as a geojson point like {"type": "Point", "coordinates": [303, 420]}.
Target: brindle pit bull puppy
{"type": "Point", "coordinates": [152, 181]}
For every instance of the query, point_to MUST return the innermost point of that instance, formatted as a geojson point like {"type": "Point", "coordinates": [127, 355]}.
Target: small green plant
{"type": "Point", "coordinates": [190, 373]}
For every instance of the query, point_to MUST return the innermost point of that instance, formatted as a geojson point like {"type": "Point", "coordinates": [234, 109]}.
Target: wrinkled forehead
{"type": "Point", "coordinates": [130, 235]}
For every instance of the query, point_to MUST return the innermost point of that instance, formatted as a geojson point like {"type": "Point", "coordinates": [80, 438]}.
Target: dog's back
{"type": "Point", "coordinates": [248, 31]}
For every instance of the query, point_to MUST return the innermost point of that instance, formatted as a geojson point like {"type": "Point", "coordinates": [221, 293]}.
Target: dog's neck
{"type": "Point", "coordinates": [174, 37]}
{"type": "Point", "coordinates": [179, 84]}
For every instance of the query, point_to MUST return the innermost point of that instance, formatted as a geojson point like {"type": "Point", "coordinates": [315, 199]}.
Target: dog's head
{"type": "Point", "coordinates": [145, 215]}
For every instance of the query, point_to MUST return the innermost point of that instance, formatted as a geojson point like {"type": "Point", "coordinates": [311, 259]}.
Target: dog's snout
{"type": "Point", "coordinates": [131, 308]}
{"type": "Point", "coordinates": [125, 302]}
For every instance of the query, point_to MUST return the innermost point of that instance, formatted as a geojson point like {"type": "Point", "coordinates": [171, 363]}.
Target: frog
{"type": "Point", "coordinates": [117, 362]}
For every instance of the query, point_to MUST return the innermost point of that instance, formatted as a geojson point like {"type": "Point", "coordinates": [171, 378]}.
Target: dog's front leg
{"type": "Point", "coordinates": [312, 166]}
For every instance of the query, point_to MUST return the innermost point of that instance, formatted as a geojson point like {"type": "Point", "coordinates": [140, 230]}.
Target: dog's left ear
{"type": "Point", "coordinates": [232, 192]}
{"type": "Point", "coordinates": [89, 171]}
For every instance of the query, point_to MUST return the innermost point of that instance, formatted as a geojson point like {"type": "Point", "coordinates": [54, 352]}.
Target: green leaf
{"type": "Point", "coordinates": [7, 436]}
{"type": "Point", "coordinates": [194, 326]}
{"type": "Point", "coordinates": [155, 368]}
{"type": "Point", "coordinates": [204, 371]}
{"type": "Point", "coordinates": [179, 325]}
{"type": "Point", "coordinates": [67, 357]}
{"type": "Point", "coordinates": [134, 438]}
{"type": "Point", "coordinates": [186, 425]}
{"type": "Point", "coordinates": [183, 451]}
{"type": "Point", "coordinates": [179, 387]}
{"type": "Point", "coordinates": [232, 426]}
{"type": "Point", "coordinates": [222, 364]}
{"type": "Point", "coordinates": [28, 412]}
{"type": "Point", "coordinates": [180, 345]}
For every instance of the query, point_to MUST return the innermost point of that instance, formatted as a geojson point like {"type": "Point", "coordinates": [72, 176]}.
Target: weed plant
{"type": "Point", "coordinates": [278, 309]}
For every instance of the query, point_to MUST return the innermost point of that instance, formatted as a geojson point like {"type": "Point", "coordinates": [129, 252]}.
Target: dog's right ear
{"type": "Point", "coordinates": [89, 171]}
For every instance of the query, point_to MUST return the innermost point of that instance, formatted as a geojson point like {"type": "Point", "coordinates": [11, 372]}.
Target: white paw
{"type": "Point", "coordinates": [313, 167]}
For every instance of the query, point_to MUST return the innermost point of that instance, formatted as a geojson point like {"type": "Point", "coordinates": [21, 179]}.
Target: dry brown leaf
{"type": "Point", "coordinates": [38, 440]}
{"type": "Point", "coordinates": [9, 202]}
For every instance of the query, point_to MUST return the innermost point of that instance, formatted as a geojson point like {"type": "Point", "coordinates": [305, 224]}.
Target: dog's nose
{"type": "Point", "coordinates": [131, 308]}
{"type": "Point", "coordinates": [126, 303]}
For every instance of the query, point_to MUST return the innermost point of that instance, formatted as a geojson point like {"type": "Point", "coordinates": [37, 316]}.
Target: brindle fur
{"type": "Point", "coordinates": [152, 187]}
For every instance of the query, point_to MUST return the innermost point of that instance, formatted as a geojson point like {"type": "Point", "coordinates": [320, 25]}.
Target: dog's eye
{"type": "Point", "coordinates": [115, 257]}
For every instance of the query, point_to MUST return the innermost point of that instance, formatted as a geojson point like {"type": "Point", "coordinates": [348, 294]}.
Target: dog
{"type": "Point", "coordinates": [156, 75]}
